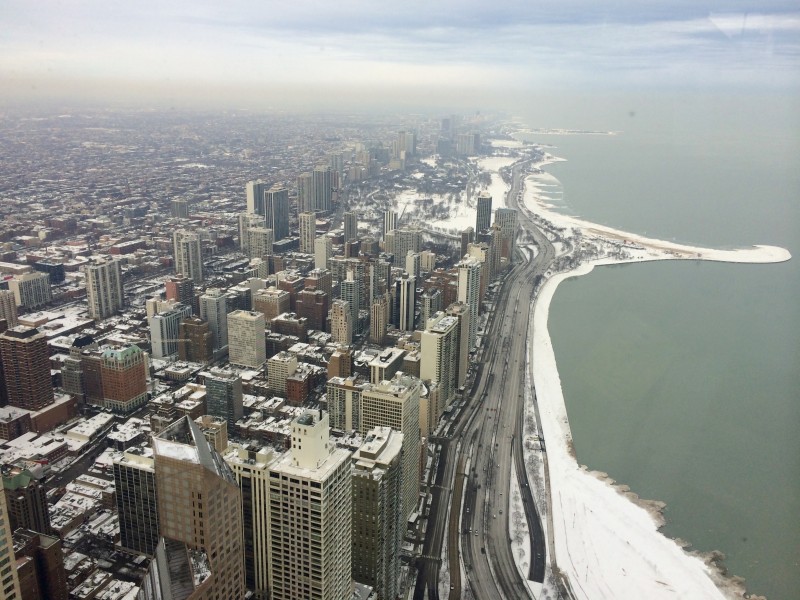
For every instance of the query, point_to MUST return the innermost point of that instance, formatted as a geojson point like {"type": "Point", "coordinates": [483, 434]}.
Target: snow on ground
{"type": "Point", "coordinates": [519, 533]}
{"type": "Point", "coordinates": [506, 143]}
{"type": "Point", "coordinates": [606, 539]}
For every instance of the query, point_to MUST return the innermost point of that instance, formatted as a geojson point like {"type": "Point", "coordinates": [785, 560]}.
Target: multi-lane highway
{"type": "Point", "coordinates": [475, 457]}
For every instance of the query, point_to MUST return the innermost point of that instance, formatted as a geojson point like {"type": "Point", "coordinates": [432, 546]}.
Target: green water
{"type": "Point", "coordinates": [682, 380]}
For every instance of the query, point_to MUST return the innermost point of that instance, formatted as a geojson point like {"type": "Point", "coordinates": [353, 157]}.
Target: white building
{"type": "Point", "coordinates": [323, 250]}
{"type": "Point", "coordinates": [439, 344]}
{"type": "Point", "coordinates": [188, 255]}
{"type": "Point", "coordinates": [246, 339]}
{"type": "Point", "coordinates": [308, 231]}
{"type": "Point", "coordinates": [469, 292]}
{"type": "Point", "coordinates": [214, 309]}
{"type": "Point", "coordinates": [310, 516]}
{"type": "Point", "coordinates": [31, 290]}
{"type": "Point", "coordinates": [165, 330]}
{"type": "Point", "coordinates": [279, 367]}
{"type": "Point", "coordinates": [259, 242]}
{"type": "Point", "coordinates": [104, 288]}
{"type": "Point", "coordinates": [341, 322]}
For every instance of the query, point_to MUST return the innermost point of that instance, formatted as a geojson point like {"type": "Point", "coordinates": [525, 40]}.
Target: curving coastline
{"type": "Point", "coordinates": [607, 539]}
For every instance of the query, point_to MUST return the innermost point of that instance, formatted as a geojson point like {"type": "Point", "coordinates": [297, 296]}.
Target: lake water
{"type": "Point", "coordinates": [682, 379]}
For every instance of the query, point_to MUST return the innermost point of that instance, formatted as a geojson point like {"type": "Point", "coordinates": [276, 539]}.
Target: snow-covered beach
{"type": "Point", "coordinates": [607, 541]}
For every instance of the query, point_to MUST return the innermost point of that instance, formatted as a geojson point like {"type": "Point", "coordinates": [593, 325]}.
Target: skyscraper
{"type": "Point", "coordinates": [26, 366]}
{"type": "Point", "coordinates": [31, 290]}
{"type": "Point", "coordinates": [124, 378]}
{"type": "Point", "coordinates": [276, 211]}
{"type": "Point", "coordinates": [483, 214]}
{"type": "Point", "coordinates": [214, 309]}
{"type": "Point", "coordinates": [196, 342]}
{"type": "Point", "coordinates": [165, 330]}
{"type": "Point", "coordinates": [137, 501]}
{"type": "Point", "coordinates": [322, 188]}
{"type": "Point", "coordinates": [323, 250]}
{"type": "Point", "coordinates": [395, 403]}
{"type": "Point", "coordinates": [246, 343]}
{"type": "Point", "coordinates": [506, 218]}
{"type": "Point", "coordinates": [224, 396]}
{"type": "Point", "coordinates": [188, 255]}
{"type": "Point", "coordinates": [439, 345]}
{"type": "Point", "coordinates": [341, 322]}
{"type": "Point", "coordinates": [378, 319]}
{"type": "Point", "coordinates": [199, 508]}
{"type": "Point", "coordinates": [461, 312]}
{"type": "Point", "coordinates": [8, 308]}
{"type": "Point", "coordinates": [378, 523]}
{"type": "Point", "coordinates": [256, 191]}
{"type": "Point", "coordinates": [305, 194]}
{"type": "Point", "coordinates": [350, 226]}
{"type": "Point", "coordinates": [430, 303]}
{"type": "Point", "coordinates": [26, 500]}
{"type": "Point", "coordinates": [389, 222]}
{"type": "Point", "coordinates": [180, 289]}
{"type": "Point", "coordinates": [350, 290]}
{"type": "Point", "coordinates": [467, 237]}
{"type": "Point", "coordinates": [469, 288]}
{"type": "Point", "coordinates": [259, 242]}
{"type": "Point", "coordinates": [405, 299]}
{"type": "Point", "coordinates": [310, 518]}
{"type": "Point", "coordinates": [9, 583]}
{"type": "Point", "coordinates": [308, 231]}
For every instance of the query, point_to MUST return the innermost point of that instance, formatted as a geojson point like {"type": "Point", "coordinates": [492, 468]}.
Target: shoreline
{"type": "Point", "coordinates": [608, 539]}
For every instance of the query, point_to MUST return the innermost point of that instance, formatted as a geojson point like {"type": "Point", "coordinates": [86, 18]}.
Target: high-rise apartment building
{"type": "Point", "coordinates": [378, 524]}
{"type": "Point", "coordinates": [344, 401]}
{"type": "Point", "coordinates": [124, 377]}
{"type": "Point", "coordinates": [199, 508]}
{"type": "Point", "coordinates": [255, 192]}
{"type": "Point", "coordinates": [350, 290]}
{"type": "Point", "coordinates": [395, 403]}
{"type": "Point", "coordinates": [305, 193]}
{"type": "Point", "coordinates": [379, 319]}
{"type": "Point", "coordinates": [31, 290]}
{"type": "Point", "coordinates": [307, 222]}
{"type": "Point", "coordinates": [483, 215]}
{"type": "Point", "coordinates": [276, 211]}
{"type": "Point", "coordinates": [180, 289]}
{"type": "Point", "coordinates": [461, 312]}
{"type": "Point", "coordinates": [271, 302]}
{"type": "Point", "coordinates": [439, 346]}
{"type": "Point", "coordinates": [26, 367]}
{"type": "Point", "coordinates": [259, 242]}
{"type": "Point", "coordinates": [214, 309]}
{"type": "Point", "coordinates": [413, 264]}
{"type": "Point", "coordinates": [389, 222]}
{"type": "Point", "coordinates": [8, 308]}
{"type": "Point", "coordinates": [246, 339]}
{"type": "Point", "coordinates": [9, 583]}
{"type": "Point", "coordinates": [405, 302]}
{"type": "Point", "coordinates": [402, 241]}
{"type": "Point", "coordinates": [26, 500]}
{"type": "Point", "coordinates": [224, 396]}
{"type": "Point", "coordinates": [40, 566]}
{"type": "Point", "coordinates": [137, 501]}
{"type": "Point", "coordinates": [251, 468]}
{"type": "Point", "coordinates": [188, 255]}
{"type": "Point", "coordinates": [165, 330]}
{"type": "Point", "coordinates": [322, 188]}
{"type": "Point", "coordinates": [467, 237]}
{"type": "Point", "coordinates": [104, 288]}
{"type": "Point", "coordinates": [469, 292]}
{"type": "Point", "coordinates": [179, 208]}
{"type": "Point", "coordinates": [323, 250]}
{"type": "Point", "coordinates": [196, 342]}
{"type": "Point", "coordinates": [310, 516]}
{"type": "Point", "coordinates": [350, 226]}
{"type": "Point", "coordinates": [279, 368]}
{"type": "Point", "coordinates": [431, 301]}
{"type": "Point", "coordinates": [506, 218]}
{"type": "Point", "coordinates": [341, 322]}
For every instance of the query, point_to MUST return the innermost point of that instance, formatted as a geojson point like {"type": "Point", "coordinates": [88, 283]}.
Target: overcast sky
{"type": "Point", "coordinates": [411, 44]}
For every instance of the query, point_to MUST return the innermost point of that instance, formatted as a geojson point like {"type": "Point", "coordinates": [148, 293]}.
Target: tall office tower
{"type": "Point", "coordinates": [341, 322]}
{"type": "Point", "coordinates": [180, 289]}
{"type": "Point", "coordinates": [439, 345]}
{"type": "Point", "coordinates": [350, 290]}
{"type": "Point", "coordinates": [310, 519]}
{"type": "Point", "coordinates": [104, 288]}
{"type": "Point", "coordinates": [308, 231]}
{"type": "Point", "coordinates": [350, 226]}
{"type": "Point", "coordinates": [279, 368]}
{"type": "Point", "coordinates": [271, 302]}
{"type": "Point", "coordinates": [413, 264]}
{"type": "Point", "coordinates": [259, 242]}
{"type": "Point", "coordinates": [483, 214]}
{"type": "Point", "coordinates": [389, 222]}
{"type": "Point", "coordinates": [137, 501]}
{"type": "Point", "coordinates": [199, 507]}
{"type": "Point", "coordinates": [196, 343]}
{"type": "Point", "coordinates": [461, 312]}
{"type": "Point", "coordinates": [26, 500]}
{"type": "Point", "coordinates": [124, 377]}
{"type": "Point", "coordinates": [323, 250]}
{"type": "Point", "coordinates": [305, 193]}
{"type": "Point", "coordinates": [344, 401]}
{"type": "Point", "coordinates": [405, 300]}
{"type": "Point", "coordinates": [378, 319]}
{"type": "Point", "coordinates": [188, 255]}
{"type": "Point", "coordinates": [214, 309]}
{"type": "Point", "coordinates": [469, 290]}
{"type": "Point", "coordinates": [31, 290]}
{"type": "Point", "coordinates": [224, 396]}
{"type": "Point", "coordinates": [430, 303]}
{"type": "Point", "coordinates": [9, 583]}
{"type": "Point", "coordinates": [8, 308]}
{"type": "Point", "coordinates": [378, 524]}
{"type": "Point", "coordinates": [322, 188]}
{"type": "Point", "coordinates": [26, 366]}
{"type": "Point", "coordinates": [246, 339]}
{"type": "Point", "coordinates": [255, 191]}
{"type": "Point", "coordinates": [40, 566]}
{"type": "Point", "coordinates": [276, 211]}
{"type": "Point", "coordinates": [165, 329]}
{"type": "Point", "coordinates": [395, 404]}
{"type": "Point", "coordinates": [251, 468]}
{"type": "Point", "coordinates": [506, 218]}
{"type": "Point", "coordinates": [180, 209]}
{"type": "Point", "coordinates": [467, 237]}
